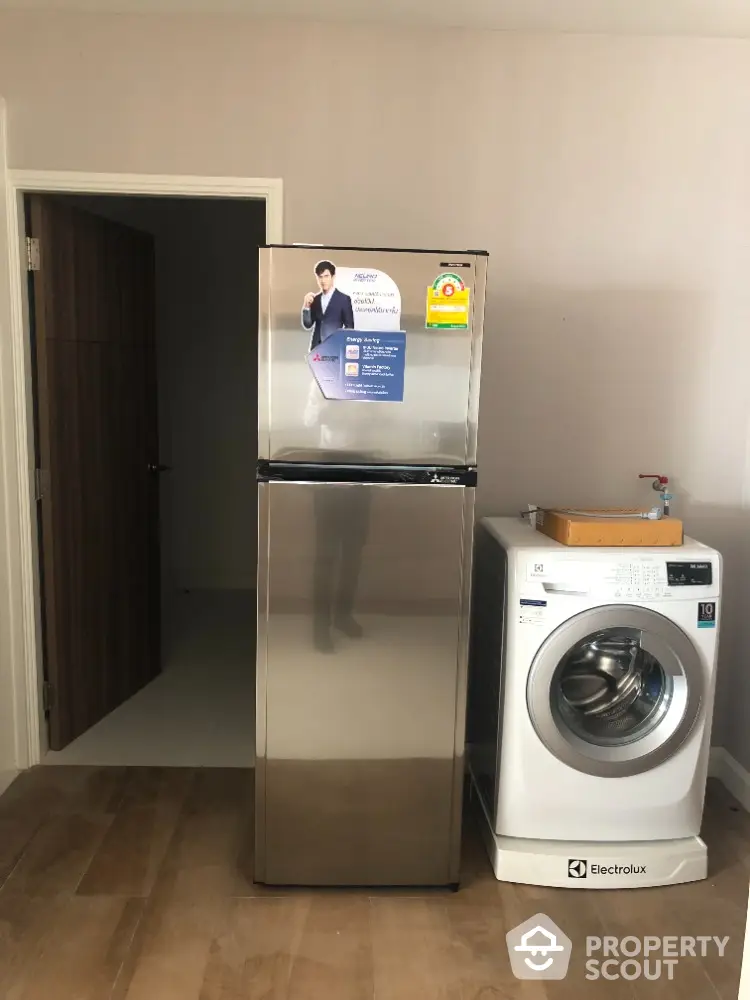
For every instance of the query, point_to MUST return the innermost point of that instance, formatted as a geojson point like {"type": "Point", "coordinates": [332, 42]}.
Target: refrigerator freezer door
{"type": "Point", "coordinates": [362, 651]}
{"type": "Point", "coordinates": [435, 423]}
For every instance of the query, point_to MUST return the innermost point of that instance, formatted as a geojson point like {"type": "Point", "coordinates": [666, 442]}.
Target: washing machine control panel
{"type": "Point", "coordinates": [690, 574]}
{"type": "Point", "coordinates": [636, 578]}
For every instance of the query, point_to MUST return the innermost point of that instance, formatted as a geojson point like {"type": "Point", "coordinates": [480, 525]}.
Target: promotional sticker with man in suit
{"type": "Point", "coordinates": [357, 348]}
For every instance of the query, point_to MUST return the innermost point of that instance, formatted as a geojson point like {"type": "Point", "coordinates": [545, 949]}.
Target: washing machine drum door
{"type": "Point", "coordinates": [615, 690]}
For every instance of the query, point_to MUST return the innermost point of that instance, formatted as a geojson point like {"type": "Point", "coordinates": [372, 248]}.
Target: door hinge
{"type": "Point", "coordinates": [38, 487]}
{"type": "Point", "coordinates": [33, 258]}
{"type": "Point", "coordinates": [48, 696]}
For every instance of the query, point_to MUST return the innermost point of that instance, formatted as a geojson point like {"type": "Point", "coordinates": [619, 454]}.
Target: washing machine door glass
{"type": "Point", "coordinates": [610, 690]}
{"type": "Point", "coordinates": [615, 690]}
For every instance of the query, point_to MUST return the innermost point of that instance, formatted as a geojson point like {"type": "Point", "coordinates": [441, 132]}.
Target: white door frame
{"type": "Point", "coordinates": [24, 647]}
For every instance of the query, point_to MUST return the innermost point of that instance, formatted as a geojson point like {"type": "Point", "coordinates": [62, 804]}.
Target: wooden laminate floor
{"type": "Point", "coordinates": [134, 884]}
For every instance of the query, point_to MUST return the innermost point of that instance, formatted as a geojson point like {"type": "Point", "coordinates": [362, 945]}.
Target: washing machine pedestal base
{"type": "Point", "coordinates": [579, 865]}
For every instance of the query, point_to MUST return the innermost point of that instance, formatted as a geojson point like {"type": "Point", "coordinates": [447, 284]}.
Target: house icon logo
{"type": "Point", "coordinates": [538, 949]}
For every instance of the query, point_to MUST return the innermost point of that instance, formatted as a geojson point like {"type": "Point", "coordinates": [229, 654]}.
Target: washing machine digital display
{"type": "Point", "coordinates": [609, 690]}
{"type": "Point", "coordinates": [689, 574]}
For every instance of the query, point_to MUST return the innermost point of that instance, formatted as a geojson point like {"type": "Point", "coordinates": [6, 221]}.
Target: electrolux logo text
{"type": "Point", "coordinates": [617, 869]}
{"type": "Point", "coordinates": [582, 869]}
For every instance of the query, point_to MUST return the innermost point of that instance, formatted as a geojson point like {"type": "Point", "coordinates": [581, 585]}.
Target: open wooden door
{"type": "Point", "coordinates": [92, 304]}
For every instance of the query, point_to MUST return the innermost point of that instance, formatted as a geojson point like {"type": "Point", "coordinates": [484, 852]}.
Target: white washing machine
{"type": "Point", "coordinates": [591, 691]}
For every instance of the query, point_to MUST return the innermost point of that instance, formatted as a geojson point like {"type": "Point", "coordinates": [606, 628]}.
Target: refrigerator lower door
{"type": "Point", "coordinates": [363, 595]}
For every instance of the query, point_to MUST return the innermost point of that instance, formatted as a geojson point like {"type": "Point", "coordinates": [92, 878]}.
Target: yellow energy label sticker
{"type": "Point", "coordinates": [447, 303]}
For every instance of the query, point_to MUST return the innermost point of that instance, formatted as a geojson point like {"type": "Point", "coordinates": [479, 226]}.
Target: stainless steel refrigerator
{"type": "Point", "coordinates": [368, 385]}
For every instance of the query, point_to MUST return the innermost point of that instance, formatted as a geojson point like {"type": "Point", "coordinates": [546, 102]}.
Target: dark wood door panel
{"type": "Point", "coordinates": [97, 436]}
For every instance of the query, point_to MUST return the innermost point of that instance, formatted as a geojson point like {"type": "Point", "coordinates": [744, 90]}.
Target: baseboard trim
{"type": "Point", "coordinates": [733, 776]}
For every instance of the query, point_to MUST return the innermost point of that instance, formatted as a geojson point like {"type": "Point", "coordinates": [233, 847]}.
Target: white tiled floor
{"type": "Point", "coordinates": [200, 711]}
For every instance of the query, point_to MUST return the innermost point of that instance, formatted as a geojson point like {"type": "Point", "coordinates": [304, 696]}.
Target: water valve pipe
{"type": "Point", "coordinates": [660, 484]}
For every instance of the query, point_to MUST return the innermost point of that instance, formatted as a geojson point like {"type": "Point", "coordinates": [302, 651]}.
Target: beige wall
{"type": "Point", "coordinates": [608, 177]}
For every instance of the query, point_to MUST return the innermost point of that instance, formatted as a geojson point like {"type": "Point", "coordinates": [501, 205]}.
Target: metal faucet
{"type": "Point", "coordinates": [660, 484]}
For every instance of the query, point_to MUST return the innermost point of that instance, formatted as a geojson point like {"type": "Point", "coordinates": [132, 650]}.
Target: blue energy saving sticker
{"type": "Point", "coordinates": [361, 365]}
{"type": "Point", "coordinates": [532, 612]}
{"type": "Point", "coordinates": [706, 614]}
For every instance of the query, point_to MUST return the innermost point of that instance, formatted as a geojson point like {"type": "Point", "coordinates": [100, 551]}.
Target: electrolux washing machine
{"type": "Point", "coordinates": [591, 691]}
